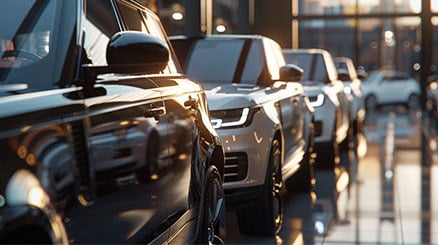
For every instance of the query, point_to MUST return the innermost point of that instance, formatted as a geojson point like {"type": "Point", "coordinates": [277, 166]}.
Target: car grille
{"type": "Point", "coordinates": [318, 128]}
{"type": "Point", "coordinates": [236, 166]}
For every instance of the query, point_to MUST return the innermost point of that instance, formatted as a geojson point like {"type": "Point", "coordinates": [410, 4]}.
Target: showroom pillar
{"type": "Point", "coordinates": [426, 151]}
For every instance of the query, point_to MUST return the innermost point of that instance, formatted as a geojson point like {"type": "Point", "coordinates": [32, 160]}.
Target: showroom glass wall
{"type": "Point", "coordinates": [387, 33]}
{"type": "Point", "coordinates": [376, 34]}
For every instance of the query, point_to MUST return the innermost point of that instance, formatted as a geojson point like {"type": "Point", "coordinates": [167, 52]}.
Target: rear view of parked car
{"type": "Point", "coordinates": [102, 139]}
{"type": "Point", "coordinates": [391, 87]}
{"type": "Point", "coordinates": [264, 120]}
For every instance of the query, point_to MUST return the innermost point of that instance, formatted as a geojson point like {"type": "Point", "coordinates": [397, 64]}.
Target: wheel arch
{"type": "Point", "coordinates": [29, 225]}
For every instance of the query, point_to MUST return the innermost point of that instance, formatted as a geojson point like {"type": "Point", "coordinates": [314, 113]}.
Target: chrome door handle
{"type": "Point", "coordinates": [191, 102]}
{"type": "Point", "coordinates": [156, 113]}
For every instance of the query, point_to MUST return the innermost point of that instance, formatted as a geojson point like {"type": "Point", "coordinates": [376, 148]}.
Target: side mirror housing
{"type": "Point", "coordinates": [291, 73]}
{"type": "Point", "coordinates": [343, 75]}
{"type": "Point", "coordinates": [136, 52]}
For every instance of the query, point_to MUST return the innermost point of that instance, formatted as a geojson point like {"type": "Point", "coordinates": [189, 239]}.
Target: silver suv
{"type": "Point", "coordinates": [263, 118]}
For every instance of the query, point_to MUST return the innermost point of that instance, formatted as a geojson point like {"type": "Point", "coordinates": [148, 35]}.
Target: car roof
{"type": "Point", "coordinates": [308, 51]}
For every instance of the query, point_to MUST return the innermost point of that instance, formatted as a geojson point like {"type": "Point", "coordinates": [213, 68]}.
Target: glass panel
{"type": "Point", "coordinates": [341, 7]}
{"type": "Point", "coordinates": [99, 26]}
{"type": "Point", "coordinates": [27, 36]}
{"type": "Point", "coordinates": [382, 43]}
{"type": "Point", "coordinates": [390, 44]}
{"type": "Point", "coordinates": [332, 35]}
{"type": "Point", "coordinates": [203, 68]}
{"type": "Point", "coordinates": [434, 5]}
{"type": "Point", "coordinates": [320, 7]}
{"type": "Point", "coordinates": [225, 16]}
{"type": "Point", "coordinates": [389, 6]}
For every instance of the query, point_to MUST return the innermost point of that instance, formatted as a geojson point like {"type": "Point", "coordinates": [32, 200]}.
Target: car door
{"type": "Point", "coordinates": [128, 142]}
{"type": "Point", "coordinates": [180, 102]}
{"type": "Point", "coordinates": [286, 95]}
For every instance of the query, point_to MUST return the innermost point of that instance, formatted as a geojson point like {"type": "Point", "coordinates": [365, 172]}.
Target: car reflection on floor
{"type": "Point", "coordinates": [391, 202]}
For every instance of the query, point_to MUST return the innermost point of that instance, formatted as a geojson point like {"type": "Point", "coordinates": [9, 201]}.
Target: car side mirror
{"type": "Point", "coordinates": [291, 73]}
{"type": "Point", "coordinates": [343, 75]}
{"type": "Point", "coordinates": [131, 52]}
{"type": "Point", "coordinates": [137, 52]}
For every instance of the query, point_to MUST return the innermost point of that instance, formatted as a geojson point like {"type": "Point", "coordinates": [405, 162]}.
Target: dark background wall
{"type": "Point", "coordinates": [273, 21]}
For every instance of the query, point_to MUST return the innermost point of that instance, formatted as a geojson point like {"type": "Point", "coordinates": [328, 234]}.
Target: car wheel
{"type": "Point", "coordinates": [302, 181]}
{"type": "Point", "coordinates": [370, 102]}
{"type": "Point", "coordinates": [414, 101]}
{"type": "Point", "coordinates": [265, 216]}
{"type": "Point", "coordinates": [212, 225]}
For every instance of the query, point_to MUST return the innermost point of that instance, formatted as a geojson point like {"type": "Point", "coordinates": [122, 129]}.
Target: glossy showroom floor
{"type": "Point", "coordinates": [393, 201]}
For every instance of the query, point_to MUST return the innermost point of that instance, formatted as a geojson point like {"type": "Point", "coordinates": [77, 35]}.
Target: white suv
{"type": "Point", "coordinates": [333, 120]}
{"type": "Point", "coordinates": [263, 118]}
{"type": "Point", "coordinates": [390, 87]}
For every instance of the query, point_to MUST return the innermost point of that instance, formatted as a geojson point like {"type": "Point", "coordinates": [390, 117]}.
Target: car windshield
{"type": "Point", "coordinates": [27, 43]}
{"type": "Point", "coordinates": [341, 65]}
{"type": "Point", "coordinates": [312, 64]}
{"type": "Point", "coordinates": [236, 60]}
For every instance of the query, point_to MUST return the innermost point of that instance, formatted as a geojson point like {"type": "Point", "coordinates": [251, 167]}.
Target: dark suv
{"type": "Point", "coordinates": [102, 139]}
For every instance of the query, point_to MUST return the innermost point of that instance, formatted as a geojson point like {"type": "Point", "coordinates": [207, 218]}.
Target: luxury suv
{"type": "Point", "coordinates": [263, 118]}
{"type": "Point", "coordinates": [333, 120]}
{"type": "Point", "coordinates": [102, 139]}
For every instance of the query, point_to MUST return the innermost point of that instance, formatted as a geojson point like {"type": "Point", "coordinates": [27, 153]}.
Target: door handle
{"type": "Point", "coordinates": [191, 102]}
{"type": "Point", "coordinates": [156, 113]}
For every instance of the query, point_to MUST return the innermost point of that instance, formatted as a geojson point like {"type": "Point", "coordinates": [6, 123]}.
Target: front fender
{"type": "Point", "coordinates": [25, 190]}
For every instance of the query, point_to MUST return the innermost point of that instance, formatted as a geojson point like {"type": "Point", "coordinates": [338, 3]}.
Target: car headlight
{"type": "Point", "coordinates": [316, 101]}
{"type": "Point", "coordinates": [241, 117]}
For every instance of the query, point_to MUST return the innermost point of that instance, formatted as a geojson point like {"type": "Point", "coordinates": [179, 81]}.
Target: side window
{"type": "Point", "coordinates": [99, 26]}
{"type": "Point", "coordinates": [154, 25]}
{"type": "Point", "coordinates": [132, 18]}
{"type": "Point", "coordinates": [320, 73]}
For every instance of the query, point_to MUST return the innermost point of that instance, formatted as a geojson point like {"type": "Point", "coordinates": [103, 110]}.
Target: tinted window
{"type": "Point", "coordinates": [217, 61]}
{"type": "Point", "coordinates": [99, 26]}
{"type": "Point", "coordinates": [32, 51]}
{"type": "Point", "coordinates": [139, 20]}
{"type": "Point", "coordinates": [209, 61]}
{"type": "Point", "coordinates": [313, 65]}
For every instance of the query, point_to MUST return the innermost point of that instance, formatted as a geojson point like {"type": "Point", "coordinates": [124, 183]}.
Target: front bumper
{"type": "Point", "coordinates": [325, 119]}
{"type": "Point", "coordinates": [246, 157]}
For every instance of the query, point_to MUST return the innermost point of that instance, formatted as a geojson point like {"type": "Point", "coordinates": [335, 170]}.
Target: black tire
{"type": "Point", "coordinates": [265, 216]}
{"type": "Point", "coordinates": [370, 102]}
{"type": "Point", "coordinates": [302, 181]}
{"type": "Point", "coordinates": [212, 219]}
